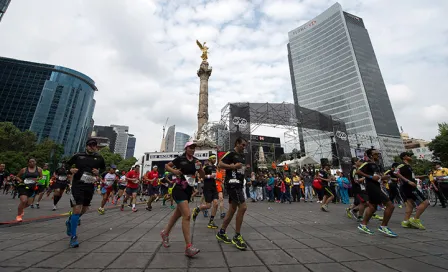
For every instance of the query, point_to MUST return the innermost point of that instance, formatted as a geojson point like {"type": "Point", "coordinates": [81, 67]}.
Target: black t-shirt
{"type": "Point", "coordinates": [354, 178]}
{"type": "Point", "coordinates": [370, 168]}
{"type": "Point", "coordinates": [62, 172]}
{"type": "Point", "coordinates": [324, 174]}
{"type": "Point", "coordinates": [406, 171]}
{"type": "Point", "coordinates": [391, 174]}
{"type": "Point", "coordinates": [85, 162]}
{"type": "Point", "coordinates": [186, 166]}
{"type": "Point", "coordinates": [3, 176]}
{"type": "Point", "coordinates": [234, 176]}
{"type": "Point", "coordinates": [209, 170]}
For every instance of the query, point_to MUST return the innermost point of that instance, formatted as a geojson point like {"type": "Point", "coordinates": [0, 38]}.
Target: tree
{"type": "Point", "coordinates": [12, 139]}
{"type": "Point", "coordinates": [439, 145]}
{"type": "Point", "coordinates": [48, 152]}
{"type": "Point", "coordinates": [126, 164]}
{"type": "Point", "coordinates": [110, 157]}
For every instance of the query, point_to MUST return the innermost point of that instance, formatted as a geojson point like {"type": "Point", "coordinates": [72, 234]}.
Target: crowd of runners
{"type": "Point", "coordinates": [373, 188]}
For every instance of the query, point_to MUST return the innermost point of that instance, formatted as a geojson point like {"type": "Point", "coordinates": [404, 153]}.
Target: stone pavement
{"type": "Point", "coordinates": [281, 237]}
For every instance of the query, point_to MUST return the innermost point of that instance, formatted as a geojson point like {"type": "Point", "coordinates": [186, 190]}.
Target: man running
{"type": "Point", "coordinates": [356, 211]}
{"type": "Point", "coordinates": [411, 193]}
{"type": "Point", "coordinates": [371, 172]}
{"type": "Point", "coordinates": [439, 179]}
{"type": "Point", "coordinates": [234, 163]}
{"type": "Point", "coordinates": [107, 188]}
{"type": "Point", "coordinates": [4, 177]}
{"type": "Point", "coordinates": [210, 192]}
{"type": "Point", "coordinates": [61, 183]}
{"type": "Point", "coordinates": [392, 181]}
{"type": "Point", "coordinates": [85, 167]}
{"type": "Point", "coordinates": [325, 178]}
{"type": "Point", "coordinates": [153, 182]}
{"type": "Point", "coordinates": [27, 178]}
{"type": "Point", "coordinates": [121, 187]}
{"type": "Point", "coordinates": [132, 178]}
{"type": "Point", "coordinates": [42, 185]}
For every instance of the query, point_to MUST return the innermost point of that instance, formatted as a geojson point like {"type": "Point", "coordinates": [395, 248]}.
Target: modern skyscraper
{"type": "Point", "coordinates": [106, 132]}
{"type": "Point", "coordinates": [121, 144]}
{"type": "Point", "coordinates": [169, 139]}
{"type": "Point", "coordinates": [334, 70]}
{"type": "Point", "coordinates": [3, 7]}
{"type": "Point", "coordinates": [52, 101]}
{"type": "Point", "coordinates": [180, 141]}
{"type": "Point", "coordinates": [130, 149]}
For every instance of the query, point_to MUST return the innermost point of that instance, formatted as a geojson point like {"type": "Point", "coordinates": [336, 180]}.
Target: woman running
{"type": "Point", "coordinates": [185, 167]}
{"type": "Point", "coordinates": [27, 178]}
{"type": "Point", "coordinates": [61, 183]}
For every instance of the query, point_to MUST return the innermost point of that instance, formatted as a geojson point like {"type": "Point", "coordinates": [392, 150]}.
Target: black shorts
{"type": "Point", "coordinates": [375, 194]}
{"type": "Point", "coordinates": [41, 188]}
{"type": "Point", "coordinates": [163, 190]}
{"type": "Point", "coordinates": [362, 197]}
{"type": "Point", "coordinates": [27, 190]}
{"type": "Point", "coordinates": [180, 194]}
{"type": "Point", "coordinates": [60, 185]}
{"type": "Point", "coordinates": [82, 194]}
{"type": "Point", "coordinates": [327, 191]}
{"type": "Point", "coordinates": [121, 187]}
{"type": "Point", "coordinates": [152, 190]}
{"type": "Point", "coordinates": [412, 193]}
{"type": "Point", "coordinates": [236, 194]}
{"type": "Point", "coordinates": [210, 193]}
{"type": "Point", "coordinates": [130, 191]}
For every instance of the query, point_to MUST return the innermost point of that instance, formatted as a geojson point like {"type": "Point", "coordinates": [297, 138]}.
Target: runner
{"type": "Point", "coordinates": [392, 181]}
{"type": "Point", "coordinates": [439, 178]}
{"type": "Point", "coordinates": [153, 182]}
{"type": "Point", "coordinates": [356, 211]}
{"type": "Point", "coordinates": [42, 185]}
{"type": "Point", "coordinates": [164, 185]}
{"type": "Point", "coordinates": [61, 183]}
{"type": "Point", "coordinates": [85, 167]}
{"type": "Point", "coordinates": [107, 188]}
{"type": "Point", "coordinates": [411, 193]}
{"type": "Point", "coordinates": [184, 167]}
{"type": "Point", "coordinates": [210, 192]}
{"type": "Point", "coordinates": [371, 171]}
{"type": "Point", "coordinates": [4, 177]}
{"type": "Point", "coordinates": [132, 178]}
{"type": "Point", "coordinates": [234, 162]}
{"type": "Point", "coordinates": [219, 181]}
{"type": "Point", "coordinates": [27, 178]}
{"type": "Point", "coordinates": [325, 177]}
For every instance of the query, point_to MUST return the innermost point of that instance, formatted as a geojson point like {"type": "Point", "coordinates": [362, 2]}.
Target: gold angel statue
{"type": "Point", "coordinates": [204, 50]}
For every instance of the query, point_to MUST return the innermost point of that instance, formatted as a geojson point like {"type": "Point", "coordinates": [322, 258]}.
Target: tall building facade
{"type": "Point", "coordinates": [3, 7]}
{"type": "Point", "coordinates": [169, 139]}
{"type": "Point", "coordinates": [180, 140]}
{"type": "Point", "coordinates": [130, 149]}
{"type": "Point", "coordinates": [121, 144]}
{"type": "Point", "coordinates": [334, 70]}
{"type": "Point", "coordinates": [106, 132]}
{"type": "Point", "coordinates": [52, 101]}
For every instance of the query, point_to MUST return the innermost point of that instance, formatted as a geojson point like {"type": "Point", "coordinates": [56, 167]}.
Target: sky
{"type": "Point", "coordinates": [143, 56]}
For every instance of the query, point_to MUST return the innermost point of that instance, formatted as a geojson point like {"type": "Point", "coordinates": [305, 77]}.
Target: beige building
{"type": "Point", "coordinates": [411, 143]}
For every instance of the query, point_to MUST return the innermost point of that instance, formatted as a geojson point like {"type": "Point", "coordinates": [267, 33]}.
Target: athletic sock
{"type": "Point", "coordinates": [133, 205]}
{"type": "Point", "coordinates": [74, 219]}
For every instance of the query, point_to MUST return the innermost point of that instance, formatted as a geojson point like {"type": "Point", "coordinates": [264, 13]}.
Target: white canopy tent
{"type": "Point", "coordinates": [299, 162]}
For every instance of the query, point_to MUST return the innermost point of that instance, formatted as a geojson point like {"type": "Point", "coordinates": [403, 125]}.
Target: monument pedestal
{"type": "Point", "coordinates": [202, 140]}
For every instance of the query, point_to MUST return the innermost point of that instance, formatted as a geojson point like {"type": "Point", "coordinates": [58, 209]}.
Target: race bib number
{"type": "Point", "coordinates": [190, 180]}
{"type": "Point", "coordinates": [62, 178]}
{"type": "Point", "coordinates": [109, 182]}
{"type": "Point", "coordinates": [86, 178]}
{"type": "Point", "coordinates": [363, 188]}
{"type": "Point", "coordinates": [29, 181]}
{"type": "Point", "coordinates": [234, 181]}
{"type": "Point", "coordinates": [242, 170]}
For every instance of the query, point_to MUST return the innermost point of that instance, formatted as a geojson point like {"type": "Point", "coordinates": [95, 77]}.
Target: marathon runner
{"type": "Point", "coordinates": [107, 187]}
{"type": "Point", "coordinates": [153, 182]}
{"type": "Point", "coordinates": [439, 179]}
{"type": "Point", "coordinates": [371, 172]}
{"type": "Point", "coordinates": [42, 185]}
{"type": "Point", "coordinates": [234, 163]}
{"type": "Point", "coordinates": [184, 167]}
{"type": "Point", "coordinates": [121, 187]}
{"type": "Point", "coordinates": [392, 181]}
{"type": "Point", "coordinates": [27, 178]}
{"type": "Point", "coordinates": [325, 178]}
{"type": "Point", "coordinates": [356, 211]}
{"type": "Point", "coordinates": [164, 185]}
{"type": "Point", "coordinates": [4, 177]}
{"type": "Point", "coordinates": [410, 193]}
{"type": "Point", "coordinates": [219, 181]}
{"type": "Point", "coordinates": [61, 183]}
{"type": "Point", "coordinates": [210, 193]}
{"type": "Point", "coordinates": [132, 178]}
{"type": "Point", "coordinates": [85, 167]}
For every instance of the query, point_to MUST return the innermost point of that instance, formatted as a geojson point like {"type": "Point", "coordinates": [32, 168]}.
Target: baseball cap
{"type": "Point", "coordinates": [155, 166]}
{"type": "Point", "coordinates": [404, 154]}
{"type": "Point", "coordinates": [212, 157]}
{"type": "Point", "coordinates": [91, 141]}
{"type": "Point", "coordinates": [113, 166]}
{"type": "Point", "coordinates": [189, 144]}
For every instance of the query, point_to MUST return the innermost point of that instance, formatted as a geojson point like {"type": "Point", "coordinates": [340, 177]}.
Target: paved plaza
{"type": "Point", "coordinates": [281, 237]}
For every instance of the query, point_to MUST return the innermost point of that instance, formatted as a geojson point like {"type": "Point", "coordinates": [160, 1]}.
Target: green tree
{"type": "Point", "coordinates": [126, 164]}
{"type": "Point", "coordinates": [12, 139]}
{"type": "Point", "coordinates": [48, 152]}
{"type": "Point", "coordinates": [110, 157]}
{"type": "Point", "coordinates": [439, 145]}
{"type": "Point", "coordinates": [13, 160]}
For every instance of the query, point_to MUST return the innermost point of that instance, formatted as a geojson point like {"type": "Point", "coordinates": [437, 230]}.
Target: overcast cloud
{"type": "Point", "coordinates": [143, 56]}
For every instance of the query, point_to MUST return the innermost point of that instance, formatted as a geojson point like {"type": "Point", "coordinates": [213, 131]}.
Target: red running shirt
{"type": "Point", "coordinates": [132, 174]}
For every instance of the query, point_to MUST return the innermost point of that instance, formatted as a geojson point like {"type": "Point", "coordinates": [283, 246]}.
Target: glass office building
{"type": "Point", "coordinates": [180, 140]}
{"type": "Point", "coordinates": [334, 70]}
{"type": "Point", "coordinates": [130, 149]}
{"type": "Point", "coordinates": [52, 101]}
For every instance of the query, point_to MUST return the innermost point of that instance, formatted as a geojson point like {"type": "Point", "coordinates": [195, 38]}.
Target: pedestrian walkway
{"type": "Point", "coordinates": [281, 237]}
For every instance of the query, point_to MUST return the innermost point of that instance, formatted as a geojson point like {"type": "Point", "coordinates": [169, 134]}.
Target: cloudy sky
{"type": "Point", "coordinates": [143, 56]}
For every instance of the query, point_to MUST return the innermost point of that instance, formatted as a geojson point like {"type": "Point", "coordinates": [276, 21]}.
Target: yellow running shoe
{"type": "Point", "coordinates": [416, 223]}
{"type": "Point", "coordinates": [376, 216]}
{"type": "Point", "coordinates": [406, 224]}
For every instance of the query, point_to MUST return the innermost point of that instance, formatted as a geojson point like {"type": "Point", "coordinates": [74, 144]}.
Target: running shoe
{"type": "Point", "coordinates": [212, 225]}
{"type": "Point", "coordinates": [387, 231]}
{"type": "Point", "coordinates": [349, 213]}
{"type": "Point", "coordinates": [191, 251]}
{"type": "Point", "coordinates": [223, 237]}
{"type": "Point", "coordinates": [239, 242]}
{"type": "Point", "coordinates": [416, 223]}
{"type": "Point", "coordinates": [54, 208]}
{"type": "Point", "coordinates": [37, 206]}
{"type": "Point", "coordinates": [134, 209]}
{"type": "Point", "coordinates": [19, 218]}
{"type": "Point", "coordinates": [195, 213]}
{"type": "Point", "coordinates": [406, 224]}
{"type": "Point", "coordinates": [324, 208]}
{"type": "Point", "coordinates": [206, 213]}
{"type": "Point", "coordinates": [400, 206]}
{"type": "Point", "coordinates": [360, 218]}
{"type": "Point", "coordinates": [172, 207]}
{"type": "Point", "coordinates": [68, 227]}
{"type": "Point", "coordinates": [223, 215]}
{"type": "Point", "coordinates": [32, 206]}
{"type": "Point", "coordinates": [101, 211]}
{"type": "Point", "coordinates": [376, 216]}
{"type": "Point", "coordinates": [74, 242]}
{"type": "Point", "coordinates": [365, 229]}
{"type": "Point", "coordinates": [354, 214]}
{"type": "Point", "coordinates": [165, 238]}
{"type": "Point", "coordinates": [148, 209]}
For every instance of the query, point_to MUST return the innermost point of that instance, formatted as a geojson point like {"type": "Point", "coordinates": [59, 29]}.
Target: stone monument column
{"type": "Point", "coordinates": [204, 73]}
